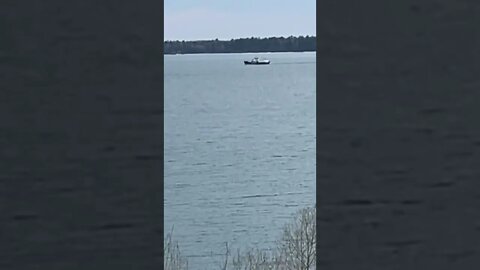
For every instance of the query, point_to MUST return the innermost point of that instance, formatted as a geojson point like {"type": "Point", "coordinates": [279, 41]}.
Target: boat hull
{"type": "Point", "coordinates": [256, 63]}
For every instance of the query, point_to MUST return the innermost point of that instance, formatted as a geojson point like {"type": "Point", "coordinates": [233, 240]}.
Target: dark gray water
{"type": "Point", "coordinates": [399, 165]}
{"type": "Point", "coordinates": [80, 135]}
{"type": "Point", "coordinates": [239, 149]}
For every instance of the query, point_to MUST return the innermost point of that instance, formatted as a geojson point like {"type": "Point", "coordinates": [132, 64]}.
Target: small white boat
{"type": "Point", "coordinates": [256, 61]}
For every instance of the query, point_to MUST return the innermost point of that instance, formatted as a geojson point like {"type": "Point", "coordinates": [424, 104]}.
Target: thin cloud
{"type": "Point", "coordinates": [197, 24]}
{"type": "Point", "coordinates": [192, 24]}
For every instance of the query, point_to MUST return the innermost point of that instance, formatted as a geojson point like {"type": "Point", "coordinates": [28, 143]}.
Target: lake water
{"type": "Point", "coordinates": [239, 150]}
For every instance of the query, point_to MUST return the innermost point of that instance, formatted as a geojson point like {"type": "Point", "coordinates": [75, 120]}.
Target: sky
{"type": "Point", "coordinates": [227, 19]}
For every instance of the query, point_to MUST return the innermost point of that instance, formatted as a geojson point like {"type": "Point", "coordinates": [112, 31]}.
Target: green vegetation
{"type": "Point", "coordinates": [242, 45]}
{"type": "Point", "coordinates": [295, 250]}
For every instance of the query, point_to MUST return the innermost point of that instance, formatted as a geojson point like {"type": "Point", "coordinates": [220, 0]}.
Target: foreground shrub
{"type": "Point", "coordinates": [298, 243]}
{"type": "Point", "coordinates": [296, 249]}
{"type": "Point", "coordinates": [173, 259]}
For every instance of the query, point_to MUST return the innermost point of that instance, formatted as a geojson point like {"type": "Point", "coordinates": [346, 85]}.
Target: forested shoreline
{"type": "Point", "coordinates": [242, 45]}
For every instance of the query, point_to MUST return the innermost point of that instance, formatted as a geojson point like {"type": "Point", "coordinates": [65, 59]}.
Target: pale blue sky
{"type": "Point", "coordinates": [226, 19]}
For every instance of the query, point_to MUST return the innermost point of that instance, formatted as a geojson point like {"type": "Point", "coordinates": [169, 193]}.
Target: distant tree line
{"type": "Point", "coordinates": [242, 45]}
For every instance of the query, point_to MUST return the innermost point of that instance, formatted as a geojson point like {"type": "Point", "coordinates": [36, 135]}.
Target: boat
{"type": "Point", "coordinates": [256, 61]}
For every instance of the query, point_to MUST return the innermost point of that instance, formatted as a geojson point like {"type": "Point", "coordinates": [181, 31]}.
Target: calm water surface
{"type": "Point", "coordinates": [239, 150]}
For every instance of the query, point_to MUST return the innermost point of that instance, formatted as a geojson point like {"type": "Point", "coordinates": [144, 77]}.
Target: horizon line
{"type": "Point", "coordinates": [214, 39]}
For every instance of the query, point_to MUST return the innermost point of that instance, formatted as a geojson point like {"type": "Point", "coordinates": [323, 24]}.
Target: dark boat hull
{"type": "Point", "coordinates": [255, 63]}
